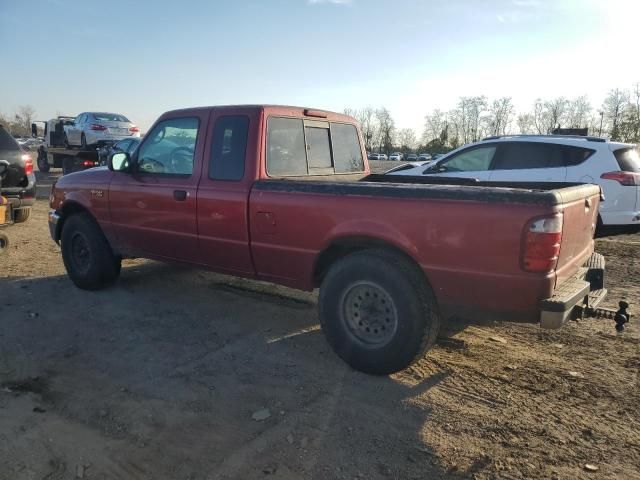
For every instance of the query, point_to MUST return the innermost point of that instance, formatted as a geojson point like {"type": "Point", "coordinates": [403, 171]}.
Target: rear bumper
{"type": "Point", "coordinates": [21, 196]}
{"type": "Point", "coordinates": [585, 288]}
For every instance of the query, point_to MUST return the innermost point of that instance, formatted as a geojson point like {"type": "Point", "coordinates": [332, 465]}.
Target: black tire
{"type": "Point", "coordinates": [43, 162]}
{"type": "Point", "coordinates": [398, 326]}
{"type": "Point", "coordinates": [21, 215]}
{"type": "Point", "coordinates": [66, 143]}
{"type": "Point", "coordinates": [4, 243]}
{"type": "Point", "coordinates": [87, 255]}
{"type": "Point", "coordinates": [83, 141]}
{"type": "Point", "coordinates": [68, 165]}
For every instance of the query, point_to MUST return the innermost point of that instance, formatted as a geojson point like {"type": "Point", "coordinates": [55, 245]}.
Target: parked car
{"type": "Point", "coordinates": [96, 128]}
{"type": "Point", "coordinates": [19, 184]}
{"type": "Point", "coordinates": [127, 145]}
{"type": "Point", "coordinates": [225, 187]}
{"type": "Point", "coordinates": [383, 157]}
{"type": "Point", "coordinates": [614, 166]}
{"type": "Point", "coordinates": [373, 156]}
{"type": "Point", "coordinates": [396, 157]}
{"type": "Point", "coordinates": [412, 157]}
{"type": "Point", "coordinates": [424, 157]}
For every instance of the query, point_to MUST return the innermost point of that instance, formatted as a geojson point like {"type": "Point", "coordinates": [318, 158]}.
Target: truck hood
{"type": "Point", "coordinates": [98, 177]}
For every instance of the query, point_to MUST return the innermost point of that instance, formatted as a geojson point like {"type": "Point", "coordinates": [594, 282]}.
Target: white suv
{"type": "Point", "coordinates": [551, 158]}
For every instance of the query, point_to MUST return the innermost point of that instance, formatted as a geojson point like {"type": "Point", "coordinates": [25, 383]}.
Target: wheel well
{"type": "Point", "coordinates": [343, 247]}
{"type": "Point", "coordinates": [69, 209]}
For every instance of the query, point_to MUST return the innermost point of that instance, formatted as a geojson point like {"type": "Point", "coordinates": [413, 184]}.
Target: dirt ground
{"type": "Point", "coordinates": [182, 374]}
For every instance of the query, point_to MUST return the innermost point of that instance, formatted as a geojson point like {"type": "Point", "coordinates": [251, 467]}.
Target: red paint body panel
{"type": "Point", "coordinates": [470, 251]}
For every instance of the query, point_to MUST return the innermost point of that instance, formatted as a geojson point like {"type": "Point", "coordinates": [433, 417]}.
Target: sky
{"type": "Point", "coordinates": [141, 58]}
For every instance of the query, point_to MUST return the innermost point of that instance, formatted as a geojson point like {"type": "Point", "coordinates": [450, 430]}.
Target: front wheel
{"type": "Point", "coordinates": [83, 142]}
{"type": "Point", "coordinates": [66, 143]}
{"type": "Point", "coordinates": [87, 255]}
{"type": "Point", "coordinates": [377, 311]}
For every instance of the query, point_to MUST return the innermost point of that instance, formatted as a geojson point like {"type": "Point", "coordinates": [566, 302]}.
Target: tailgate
{"type": "Point", "coordinates": [580, 208]}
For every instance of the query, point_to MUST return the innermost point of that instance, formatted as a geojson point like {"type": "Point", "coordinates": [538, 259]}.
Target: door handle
{"type": "Point", "coordinates": [179, 195]}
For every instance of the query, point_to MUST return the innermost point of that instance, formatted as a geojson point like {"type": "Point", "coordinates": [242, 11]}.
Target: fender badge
{"type": "Point", "coordinates": [97, 193]}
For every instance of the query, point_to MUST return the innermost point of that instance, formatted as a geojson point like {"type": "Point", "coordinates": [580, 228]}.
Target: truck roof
{"type": "Point", "coordinates": [284, 110]}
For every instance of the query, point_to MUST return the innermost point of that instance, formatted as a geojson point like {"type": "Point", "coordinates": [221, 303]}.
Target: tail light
{"type": "Point", "coordinates": [134, 129]}
{"type": "Point", "coordinates": [629, 179]}
{"type": "Point", "coordinates": [28, 164]}
{"type": "Point", "coordinates": [542, 244]}
{"type": "Point", "coordinates": [95, 126]}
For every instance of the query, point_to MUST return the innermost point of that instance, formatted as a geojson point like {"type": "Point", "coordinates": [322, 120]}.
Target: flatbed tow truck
{"type": "Point", "coordinates": [54, 154]}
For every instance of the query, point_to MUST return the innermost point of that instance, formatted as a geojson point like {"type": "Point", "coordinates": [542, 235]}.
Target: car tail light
{"type": "Point", "coordinates": [542, 244]}
{"type": "Point", "coordinates": [28, 164]}
{"type": "Point", "coordinates": [88, 163]}
{"type": "Point", "coordinates": [628, 179]}
{"type": "Point", "coordinates": [134, 129]}
{"type": "Point", "coordinates": [95, 126]}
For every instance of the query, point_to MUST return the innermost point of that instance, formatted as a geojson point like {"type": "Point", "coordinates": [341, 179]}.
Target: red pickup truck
{"type": "Point", "coordinates": [284, 194]}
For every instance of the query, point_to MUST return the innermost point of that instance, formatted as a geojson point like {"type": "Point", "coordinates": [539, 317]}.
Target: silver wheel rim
{"type": "Point", "coordinates": [369, 314]}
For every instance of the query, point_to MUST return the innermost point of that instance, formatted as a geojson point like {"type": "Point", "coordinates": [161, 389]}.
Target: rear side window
{"type": "Point", "coordinates": [347, 155]}
{"type": "Point", "coordinates": [302, 147]}
{"type": "Point", "coordinates": [229, 148]}
{"type": "Point", "coordinates": [7, 142]}
{"type": "Point", "coordinates": [628, 159]}
{"type": "Point", "coordinates": [526, 155]}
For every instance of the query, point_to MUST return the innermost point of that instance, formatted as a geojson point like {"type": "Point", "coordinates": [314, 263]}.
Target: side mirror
{"type": "Point", "coordinates": [34, 130]}
{"type": "Point", "coordinates": [119, 162]}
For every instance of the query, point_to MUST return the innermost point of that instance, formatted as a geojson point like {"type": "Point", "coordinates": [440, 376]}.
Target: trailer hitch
{"type": "Point", "coordinates": [620, 316]}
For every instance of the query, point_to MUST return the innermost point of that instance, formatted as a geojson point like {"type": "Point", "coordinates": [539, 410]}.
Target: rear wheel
{"type": "Point", "coordinates": [4, 243]}
{"type": "Point", "coordinates": [377, 311]}
{"type": "Point", "coordinates": [87, 255]}
{"type": "Point", "coordinates": [21, 215]}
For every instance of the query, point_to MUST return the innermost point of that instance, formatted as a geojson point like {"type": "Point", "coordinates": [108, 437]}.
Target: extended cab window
{"type": "Point", "coordinates": [347, 154]}
{"type": "Point", "coordinates": [169, 148]}
{"type": "Point", "coordinates": [473, 160]}
{"type": "Point", "coordinates": [229, 148]}
{"type": "Point", "coordinates": [300, 147]}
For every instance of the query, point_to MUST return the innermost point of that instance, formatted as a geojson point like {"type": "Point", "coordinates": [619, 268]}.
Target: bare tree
{"type": "Point", "coordinates": [630, 124]}
{"type": "Point", "coordinates": [24, 117]}
{"type": "Point", "coordinates": [614, 108]}
{"type": "Point", "coordinates": [526, 123]}
{"type": "Point", "coordinates": [386, 130]}
{"type": "Point", "coordinates": [434, 124]}
{"type": "Point", "coordinates": [500, 116]}
{"type": "Point", "coordinates": [469, 115]}
{"type": "Point", "coordinates": [578, 111]}
{"type": "Point", "coordinates": [407, 139]}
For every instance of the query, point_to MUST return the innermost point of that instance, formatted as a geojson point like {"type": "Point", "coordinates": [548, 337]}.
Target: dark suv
{"type": "Point", "coordinates": [19, 184]}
